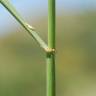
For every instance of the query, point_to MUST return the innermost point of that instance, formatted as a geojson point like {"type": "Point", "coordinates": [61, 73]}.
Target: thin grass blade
{"type": "Point", "coordinates": [7, 4]}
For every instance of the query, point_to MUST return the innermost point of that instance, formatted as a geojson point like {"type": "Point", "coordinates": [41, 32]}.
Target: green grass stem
{"type": "Point", "coordinates": [51, 44]}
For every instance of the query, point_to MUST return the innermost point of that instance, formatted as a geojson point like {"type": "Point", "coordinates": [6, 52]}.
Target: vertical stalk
{"type": "Point", "coordinates": [51, 44]}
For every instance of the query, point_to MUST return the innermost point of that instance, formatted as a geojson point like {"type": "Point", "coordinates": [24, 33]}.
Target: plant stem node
{"type": "Point", "coordinates": [50, 50]}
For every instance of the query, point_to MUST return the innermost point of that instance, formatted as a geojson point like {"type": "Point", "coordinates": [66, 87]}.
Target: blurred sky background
{"type": "Point", "coordinates": [37, 8]}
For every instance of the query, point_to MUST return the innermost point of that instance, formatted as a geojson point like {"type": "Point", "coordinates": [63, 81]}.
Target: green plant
{"type": "Point", "coordinates": [51, 44]}
{"type": "Point", "coordinates": [49, 49]}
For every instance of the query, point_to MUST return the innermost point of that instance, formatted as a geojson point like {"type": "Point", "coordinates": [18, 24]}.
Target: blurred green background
{"type": "Point", "coordinates": [23, 62]}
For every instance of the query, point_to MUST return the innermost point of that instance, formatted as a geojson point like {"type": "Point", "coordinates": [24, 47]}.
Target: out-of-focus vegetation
{"type": "Point", "coordinates": [22, 62]}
